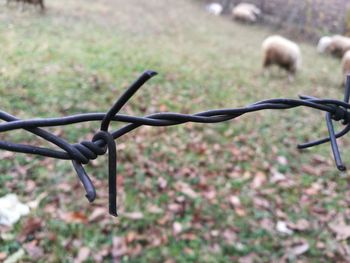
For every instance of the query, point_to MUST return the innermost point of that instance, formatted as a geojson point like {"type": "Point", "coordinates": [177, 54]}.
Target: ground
{"type": "Point", "coordinates": [236, 191]}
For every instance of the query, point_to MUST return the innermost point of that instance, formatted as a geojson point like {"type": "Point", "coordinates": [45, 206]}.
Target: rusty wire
{"type": "Point", "coordinates": [82, 153]}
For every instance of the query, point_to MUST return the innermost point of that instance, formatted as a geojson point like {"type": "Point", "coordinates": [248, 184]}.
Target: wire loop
{"type": "Point", "coordinates": [82, 153]}
{"type": "Point", "coordinates": [341, 114]}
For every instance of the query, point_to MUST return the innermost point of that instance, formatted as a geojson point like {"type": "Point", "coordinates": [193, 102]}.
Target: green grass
{"type": "Point", "coordinates": [79, 57]}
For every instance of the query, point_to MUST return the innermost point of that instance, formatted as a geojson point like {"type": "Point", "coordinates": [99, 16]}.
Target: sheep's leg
{"type": "Point", "coordinates": [22, 6]}
{"type": "Point", "coordinates": [292, 70]}
{"type": "Point", "coordinates": [41, 4]}
{"type": "Point", "coordinates": [343, 83]}
{"type": "Point", "coordinates": [290, 78]}
{"type": "Point", "coordinates": [8, 2]}
{"type": "Point", "coordinates": [265, 72]}
{"type": "Point", "coordinates": [267, 67]}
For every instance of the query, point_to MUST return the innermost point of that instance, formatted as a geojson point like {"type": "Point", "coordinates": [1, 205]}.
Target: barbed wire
{"type": "Point", "coordinates": [104, 140]}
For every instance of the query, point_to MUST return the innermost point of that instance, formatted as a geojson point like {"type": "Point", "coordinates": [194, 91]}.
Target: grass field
{"type": "Point", "coordinates": [190, 193]}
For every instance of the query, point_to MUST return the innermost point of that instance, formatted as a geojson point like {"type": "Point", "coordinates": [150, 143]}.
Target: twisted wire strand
{"type": "Point", "coordinates": [82, 153]}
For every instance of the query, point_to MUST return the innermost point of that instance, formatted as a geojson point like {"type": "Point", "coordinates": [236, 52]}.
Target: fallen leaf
{"type": "Point", "coordinates": [3, 255]}
{"type": "Point", "coordinates": [163, 108]}
{"type": "Point", "coordinates": [74, 217]}
{"type": "Point", "coordinates": [210, 195]}
{"type": "Point", "coordinates": [261, 202]}
{"type": "Point", "coordinates": [230, 236]}
{"type": "Point", "coordinates": [282, 160]}
{"type": "Point", "coordinates": [315, 188]}
{"type": "Point", "coordinates": [64, 187]}
{"type": "Point", "coordinates": [276, 176]}
{"type": "Point", "coordinates": [30, 226]}
{"type": "Point", "coordinates": [11, 209]}
{"type": "Point", "coordinates": [101, 253]}
{"type": "Point", "coordinates": [186, 189]}
{"type": "Point", "coordinates": [258, 180]}
{"type": "Point", "coordinates": [189, 236]}
{"type": "Point", "coordinates": [134, 215]}
{"type": "Point", "coordinates": [340, 228]}
{"type": "Point", "coordinates": [15, 257]}
{"type": "Point", "coordinates": [240, 211]}
{"type": "Point", "coordinates": [165, 219]}
{"type": "Point", "coordinates": [83, 255]}
{"type": "Point", "coordinates": [153, 209]}
{"type": "Point", "coordinates": [214, 233]}
{"type": "Point", "coordinates": [250, 258]}
{"type": "Point", "coordinates": [312, 170]}
{"type": "Point", "coordinates": [282, 228]}
{"type": "Point", "coordinates": [30, 186]}
{"type": "Point", "coordinates": [235, 201]}
{"type": "Point", "coordinates": [318, 159]}
{"type": "Point", "coordinates": [119, 248]}
{"type": "Point", "coordinates": [300, 225]}
{"type": "Point", "coordinates": [136, 250]}
{"type": "Point", "coordinates": [176, 208]}
{"type": "Point", "coordinates": [35, 203]}
{"type": "Point", "coordinates": [162, 183]}
{"type": "Point", "coordinates": [177, 228]}
{"type": "Point", "coordinates": [298, 249]}
{"type": "Point", "coordinates": [98, 213]}
{"type": "Point", "coordinates": [6, 155]}
{"type": "Point", "coordinates": [33, 250]}
{"type": "Point", "coordinates": [130, 237]}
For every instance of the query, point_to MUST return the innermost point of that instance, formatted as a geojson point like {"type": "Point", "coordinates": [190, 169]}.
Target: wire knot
{"type": "Point", "coordinates": [102, 141]}
{"type": "Point", "coordinates": [90, 150]}
{"type": "Point", "coordinates": [341, 114]}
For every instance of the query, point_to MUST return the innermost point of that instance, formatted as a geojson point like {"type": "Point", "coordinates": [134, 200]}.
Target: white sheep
{"type": "Point", "coordinates": [282, 52]}
{"type": "Point", "coordinates": [336, 45]}
{"type": "Point", "coordinates": [214, 8]}
{"type": "Point", "coordinates": [246, 12]}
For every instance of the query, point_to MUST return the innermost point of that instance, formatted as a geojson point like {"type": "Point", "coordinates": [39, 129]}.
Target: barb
{"type": "Point", "coordinates": [82, 153]}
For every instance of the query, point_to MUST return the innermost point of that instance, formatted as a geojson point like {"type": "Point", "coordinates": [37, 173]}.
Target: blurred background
{"type": "Point", "coordinates": [232, 192]}
{"type": "Point", "coordinates": [312, 18]}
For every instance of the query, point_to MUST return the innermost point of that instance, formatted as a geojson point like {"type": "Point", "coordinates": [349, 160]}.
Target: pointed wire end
{"type": "Point", "coordinates": [85, 180]}
{"type": "Point", "coordinates": [305, 97]}
{"type": "Point", "coordinates": [302, 97]}
{"type": "Point", "coordinates": [150, 73]}
{"type": "Point", "coordinates": [91, 196]}
{"type": "Point", "coordinates": [306, 145]}
{"type": "Point", "coordinates": [341, 168]}
{"type": "Point", "coordinates": [312, 144]}
{"type": "Point", "coordinates": [114, 213]}
{"type": "Point", "coordinates": [301, 146]}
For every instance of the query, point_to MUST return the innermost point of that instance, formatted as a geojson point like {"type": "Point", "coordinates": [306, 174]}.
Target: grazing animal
{"type": "Point", "coordinates": [246, 12]}
{"type": "Point", "coordinates": [345, 63]}
{"type": "Point", "coordinates": [323, 43]}
{"type": "Point", "coordinates": [33, 2]}
{"type": "Point", "coordinates": [282, 52]}
{"type": "Point", "coordinates": [214, 8]}
{"type": "Point", "coordinates": [336, 45]}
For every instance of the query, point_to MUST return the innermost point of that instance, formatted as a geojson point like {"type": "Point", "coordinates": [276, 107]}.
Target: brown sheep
{"type": "Point", "coordinates": [246, 12]}
{"type": "Point", "coordinates": [33, 2]}
{"type": "Point", "coordinates": [345, 65]}
{"type": "Point", "coordinates": [282, 52]}
{"type": "Point", "coordinates": [336, 45]}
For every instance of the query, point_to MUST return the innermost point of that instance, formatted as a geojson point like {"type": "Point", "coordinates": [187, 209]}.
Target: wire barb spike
{"type": "Point", "coordinates": [105, 141]}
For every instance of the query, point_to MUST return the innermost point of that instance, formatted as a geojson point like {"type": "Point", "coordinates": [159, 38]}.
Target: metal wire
{"type": "Point", "coordinates": [82, 153]}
